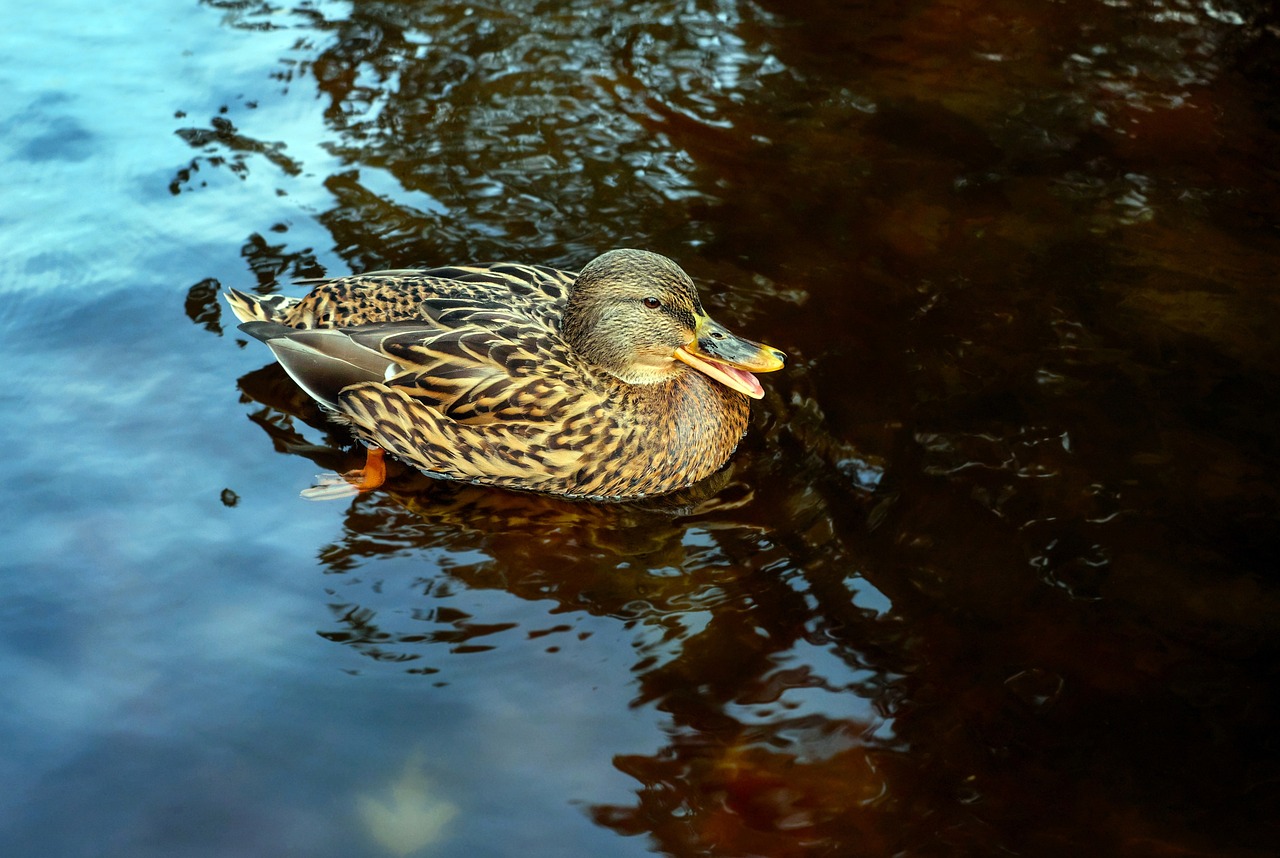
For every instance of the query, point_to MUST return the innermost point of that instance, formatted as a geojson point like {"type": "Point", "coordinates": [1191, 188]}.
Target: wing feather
{"type": "Point", "coordinates": [480, 364]}
{"type": "Point", "coordinates": [480, 344]}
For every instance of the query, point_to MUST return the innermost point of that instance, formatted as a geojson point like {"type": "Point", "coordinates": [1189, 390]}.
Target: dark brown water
{"type": "Point", "coordinates": [992, 574]}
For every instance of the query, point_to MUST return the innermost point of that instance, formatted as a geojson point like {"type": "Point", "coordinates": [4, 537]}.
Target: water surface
{"type": "Point", "coordinates": [993, 572]}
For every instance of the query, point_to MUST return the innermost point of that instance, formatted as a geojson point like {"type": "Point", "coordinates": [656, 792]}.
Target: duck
{"type": "Point", "coordinates": [609, 384]}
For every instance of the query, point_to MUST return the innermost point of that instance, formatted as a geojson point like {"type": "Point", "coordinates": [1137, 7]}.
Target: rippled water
{"type": "Point", "coordinates": [993, 572]}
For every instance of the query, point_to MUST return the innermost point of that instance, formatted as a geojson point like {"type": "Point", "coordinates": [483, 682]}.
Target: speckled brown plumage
{"type": "Point", "coordinates": [473, 372]}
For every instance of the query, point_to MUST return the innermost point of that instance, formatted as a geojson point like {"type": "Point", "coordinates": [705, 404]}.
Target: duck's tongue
{"type": "Point", "coordinates": [730, 376]}
{"type": "Point", "coordinates": [746, 382]}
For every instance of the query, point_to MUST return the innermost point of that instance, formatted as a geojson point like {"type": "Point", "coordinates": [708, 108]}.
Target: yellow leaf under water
{"type": "Point", "coordinates": [411, 816]}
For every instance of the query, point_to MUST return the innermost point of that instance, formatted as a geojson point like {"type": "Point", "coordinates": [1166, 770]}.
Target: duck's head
{"type": "Point", "coordinates": [637, 316]}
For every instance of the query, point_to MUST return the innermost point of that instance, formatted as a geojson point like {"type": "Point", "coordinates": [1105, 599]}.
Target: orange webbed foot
{"type": "Point", "coordinates": [352, 483]}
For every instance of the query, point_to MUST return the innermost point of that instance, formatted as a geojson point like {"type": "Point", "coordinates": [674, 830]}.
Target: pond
{"type": "Point", "coordinates": [992, 573]}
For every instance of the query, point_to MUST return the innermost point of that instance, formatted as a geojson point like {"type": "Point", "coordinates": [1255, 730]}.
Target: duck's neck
{"type": "Point", "coordinates": [692, 421]}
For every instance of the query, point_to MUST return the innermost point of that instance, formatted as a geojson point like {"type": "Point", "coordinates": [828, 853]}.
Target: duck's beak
{"type": "Point", "coordinates": [728, 358]}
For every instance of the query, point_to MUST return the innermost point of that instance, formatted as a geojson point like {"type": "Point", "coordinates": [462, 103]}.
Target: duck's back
{"type": "Point", "coordinates": [535, 291]}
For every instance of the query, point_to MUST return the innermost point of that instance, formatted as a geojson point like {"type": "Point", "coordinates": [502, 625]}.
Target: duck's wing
{"type": "Point", "coordinates": [482, 393]}
{"type": "Point", "coordinates": [475, 361]}
{"type": "Point", "coordinates": [324, 361]}
{"type": "Point", "coordinates": [479, 362]}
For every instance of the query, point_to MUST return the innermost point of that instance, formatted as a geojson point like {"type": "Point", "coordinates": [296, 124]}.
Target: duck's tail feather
{"type": "Point", "coordinates": [259, 308]}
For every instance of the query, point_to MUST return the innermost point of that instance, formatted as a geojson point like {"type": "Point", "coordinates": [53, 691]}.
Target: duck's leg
{"type": "Point", "coordinates": [335, 486]}
{"type": "Point", "coordinates": [373, 474]}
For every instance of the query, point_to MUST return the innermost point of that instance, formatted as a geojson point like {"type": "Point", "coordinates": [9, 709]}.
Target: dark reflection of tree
{"type": "Point", "coordinates": [531, 130]}
{"type": "Point", "coordinates": [225, 147]}
{"type": "Point", "coordinates": [1054, 328]}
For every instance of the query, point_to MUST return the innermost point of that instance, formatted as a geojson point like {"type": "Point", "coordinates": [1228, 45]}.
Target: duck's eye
{"type": "Point", "coordinates": [652, 303]}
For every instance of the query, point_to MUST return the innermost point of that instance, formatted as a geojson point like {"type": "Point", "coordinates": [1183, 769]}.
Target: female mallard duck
{"type": "Point", "coordinates": [610, 384]}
